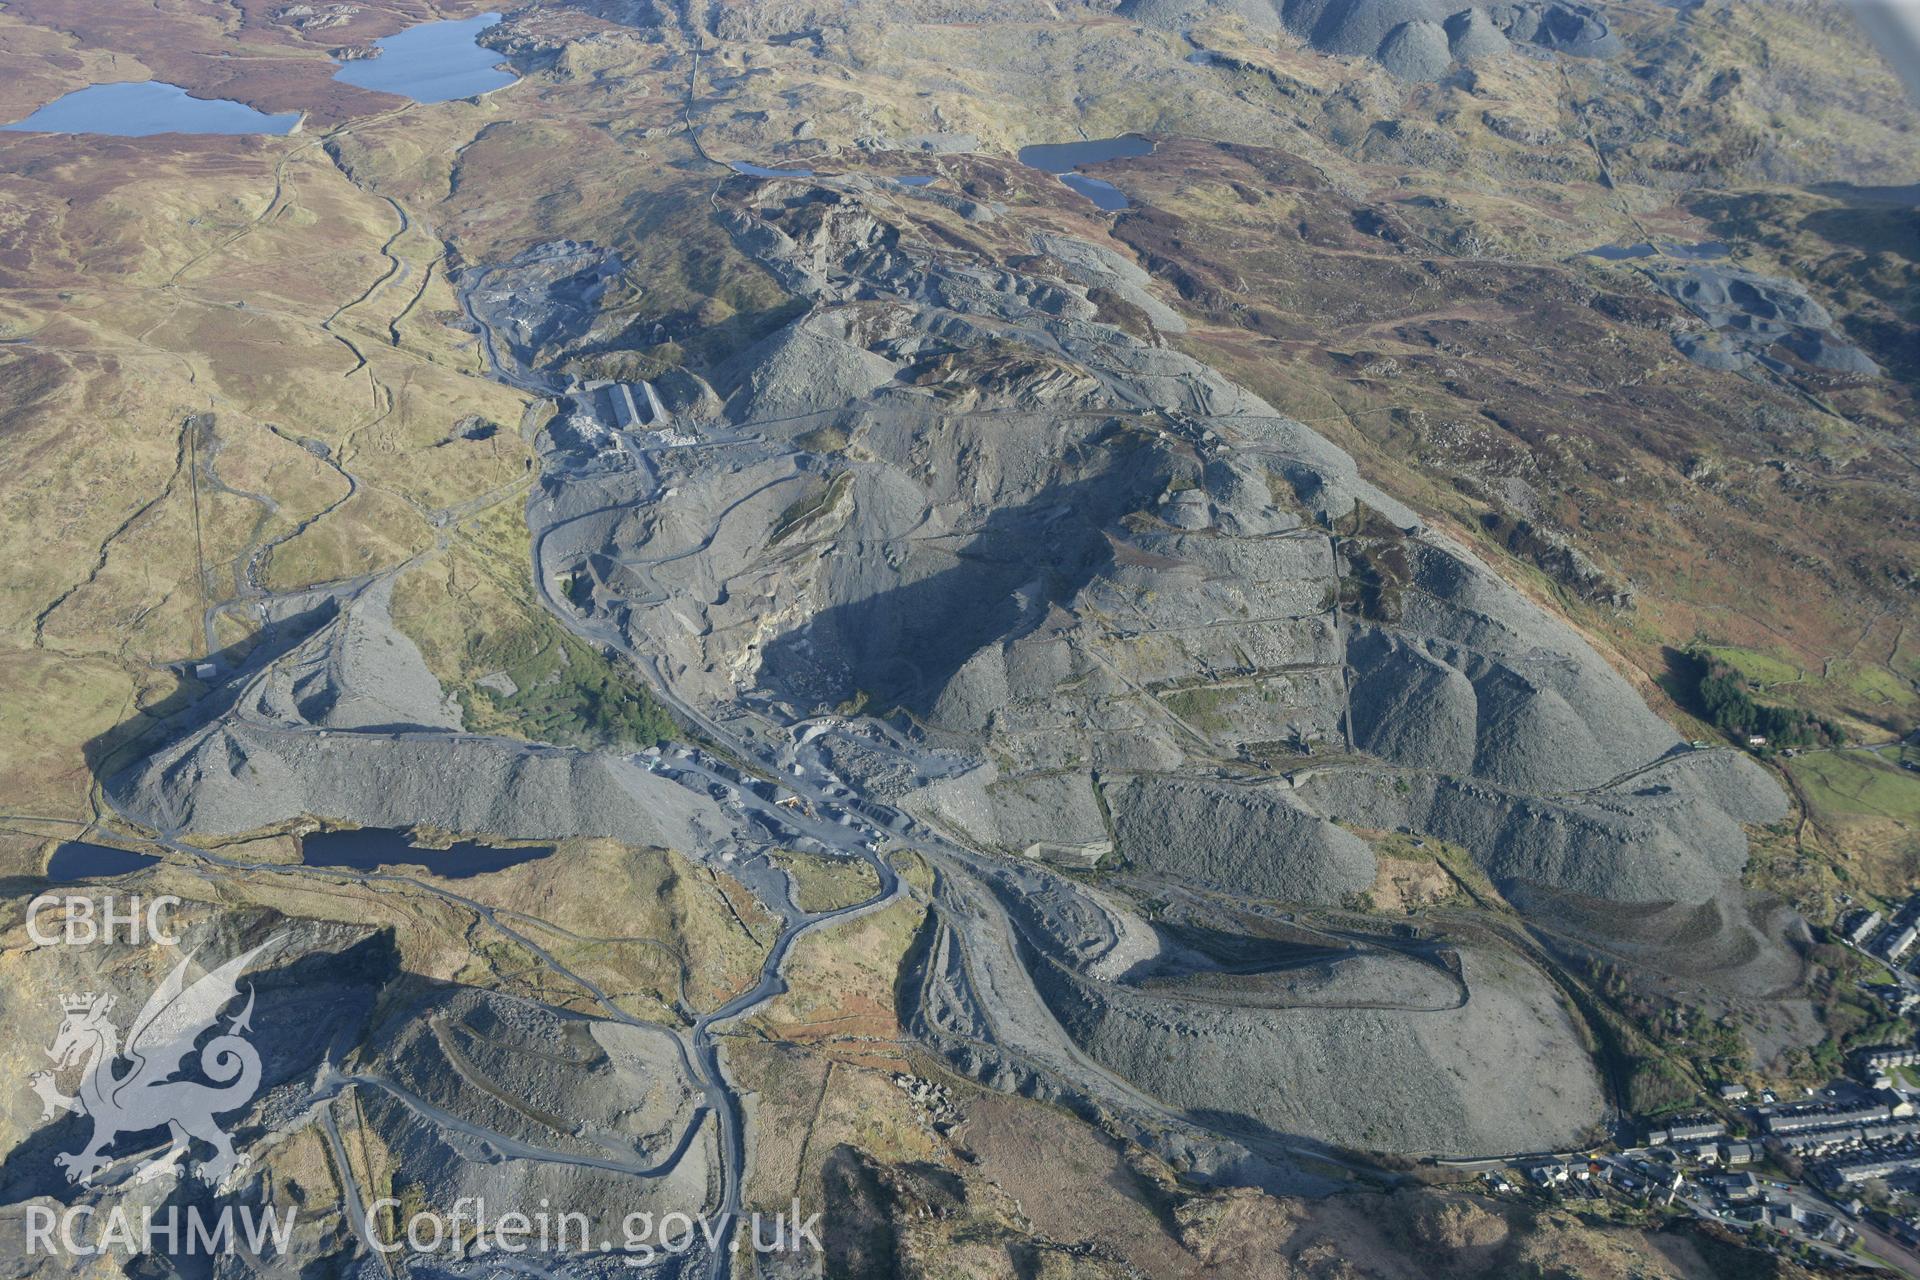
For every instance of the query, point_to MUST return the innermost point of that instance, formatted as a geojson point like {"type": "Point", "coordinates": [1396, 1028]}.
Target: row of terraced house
{"type": "Point", "coordinates": [1890, 940]}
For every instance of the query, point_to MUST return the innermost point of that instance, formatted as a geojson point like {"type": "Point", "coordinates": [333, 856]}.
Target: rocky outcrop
{"type": "Point", "coordinates": [1416, 40]}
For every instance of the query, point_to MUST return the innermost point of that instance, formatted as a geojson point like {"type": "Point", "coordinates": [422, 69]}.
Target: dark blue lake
{"type": "Point", "coordinates": [1101, 192]}
{"type": "Point", "coordinates": [78, 860]}
{"type": "Point", "coordinates": [1062, 158]}
{"type": "Point", "coordinates": [142, 108]}
{"type": "Point", "coordinates": [433, 62]}
{"type": "Point", "coordinates": [370, 848]}
{"type": "Point", "coordinates": [761, 171]}
{"type": "Point", "coordinates": [1622, 252]}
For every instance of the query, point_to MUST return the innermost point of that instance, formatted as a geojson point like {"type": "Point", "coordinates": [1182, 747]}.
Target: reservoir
{"type": "Point", "coordinates": [78, 860]}
{"type": "Point", "coordinates": [433, 62]}
{"type": "Point", "coordinates": [142, 108]}
{"type": "Point", "coordinates": [1062, 158]}
{"type": "Point", "coordinates": [761, 171]}
{"type": "Point", "coordinates": [370, 848]}
{"type": "Point", "coordinates": [1622, 252]}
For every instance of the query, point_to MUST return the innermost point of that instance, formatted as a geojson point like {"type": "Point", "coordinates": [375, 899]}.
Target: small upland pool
{"type": "Point", "coordinates": [369, 848]}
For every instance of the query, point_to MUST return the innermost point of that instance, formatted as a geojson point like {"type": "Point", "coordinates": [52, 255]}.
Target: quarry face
{"type": "Point", "coordinates": [1131, 619]}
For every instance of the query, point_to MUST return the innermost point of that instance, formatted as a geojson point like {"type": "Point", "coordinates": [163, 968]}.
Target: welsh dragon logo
{"type": "Point", "coordinates": [145, 1095]}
